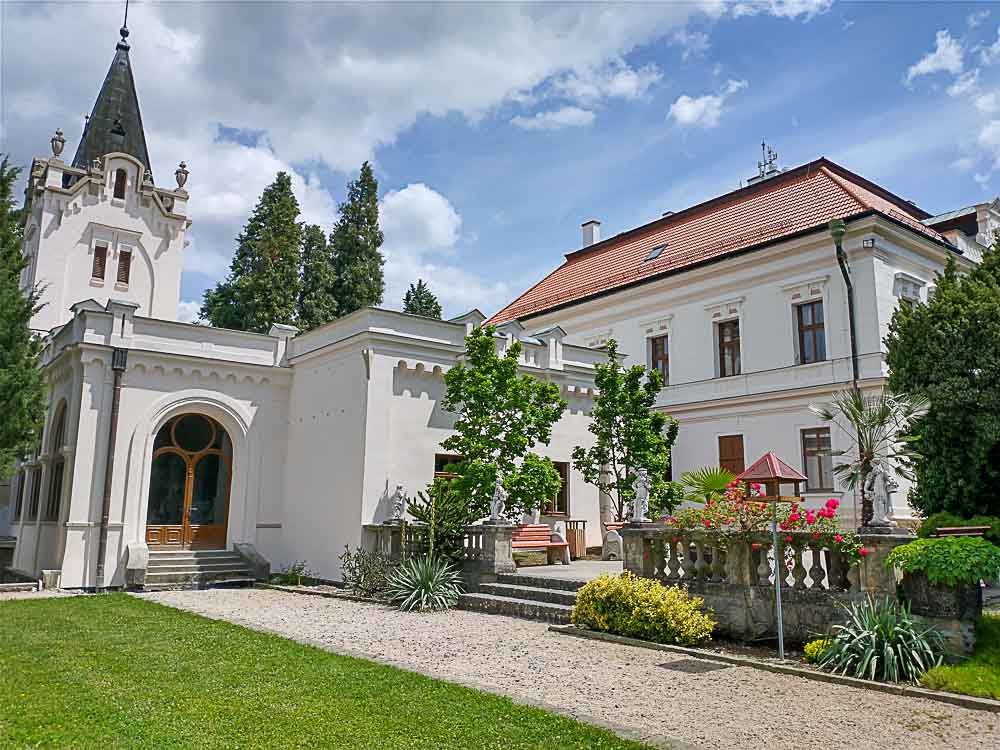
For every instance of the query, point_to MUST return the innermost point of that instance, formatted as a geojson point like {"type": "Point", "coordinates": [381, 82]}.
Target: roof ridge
{"type": "Point", "coordinates": [845, 186]}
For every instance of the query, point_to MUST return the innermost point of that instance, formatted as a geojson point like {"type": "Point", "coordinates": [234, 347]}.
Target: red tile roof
{"type": "Point", "coordinates": [801, 199]}
{"type": "Point", "coordinates": [769, 468]}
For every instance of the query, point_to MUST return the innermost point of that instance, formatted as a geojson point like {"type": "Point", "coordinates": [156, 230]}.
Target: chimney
{"type": "Point", "coordinates": [591, 232]}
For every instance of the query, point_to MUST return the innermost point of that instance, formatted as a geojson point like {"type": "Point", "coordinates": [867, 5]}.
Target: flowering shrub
{"type": "Point", "coordinates": [814, 650]}
{"type": "Point", "coordinates": [736, 513]}
{"type": "Point", "coordinates": [643, 608]}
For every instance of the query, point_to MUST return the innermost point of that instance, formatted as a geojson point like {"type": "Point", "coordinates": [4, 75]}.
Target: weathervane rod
{"type": "Point", "coordinates": [125, 22]}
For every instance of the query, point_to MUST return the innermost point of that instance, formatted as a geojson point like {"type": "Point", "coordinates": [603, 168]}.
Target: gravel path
{"type": "Point", "coordinates": [618, 686]}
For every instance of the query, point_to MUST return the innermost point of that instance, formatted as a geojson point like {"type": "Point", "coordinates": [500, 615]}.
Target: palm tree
{"type": "Point", "coordinates": [880, 426]}
{"type": "Point", "coordinates": [707, 483]}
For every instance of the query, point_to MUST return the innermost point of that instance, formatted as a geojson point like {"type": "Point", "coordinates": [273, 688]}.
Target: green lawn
{"type": "Point", "coordinates": [118, 672]}
{"type": "Point", "coordinates": [980, 675]}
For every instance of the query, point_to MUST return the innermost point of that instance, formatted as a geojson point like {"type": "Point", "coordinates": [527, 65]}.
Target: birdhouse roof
{"type": "Point", "coordinates": [770, 467]}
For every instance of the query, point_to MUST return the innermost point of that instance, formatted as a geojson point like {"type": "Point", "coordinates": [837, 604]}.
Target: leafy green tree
{"type": "Point", "coordinates": [502, 415]}
{"type": "Point", "coordinates": [419, 300]}
{"type": "Point", "coordinates": [355, 244]}
{"type": "Point", "coordinates": [317, 300]}
{"type": "Point", "coordinates": [948, 351]}
{"type": "Point", "coordinates": [22, 383]}
{"type": "Point", "coordinates": [264, 277]}
{"type": "Point", "coordinates": [878, 425]}
{"type": "Point", "coordinates": [629, 436]}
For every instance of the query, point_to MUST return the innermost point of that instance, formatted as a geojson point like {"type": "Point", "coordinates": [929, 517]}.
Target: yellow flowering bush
{"type": "Point", "coordinates": [814, 650]}
{"type": "Point", "coordinates": [643, 608]}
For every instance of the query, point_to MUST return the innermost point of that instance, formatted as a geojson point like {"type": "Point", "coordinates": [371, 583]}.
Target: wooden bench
{"type": "Point", "coordinates": [961, 531]}
{"type": "Point", "coordinates": [538, 536]}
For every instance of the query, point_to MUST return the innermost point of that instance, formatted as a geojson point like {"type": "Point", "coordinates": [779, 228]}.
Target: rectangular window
{"type": "Point", "coordinates": [816, 460]}
{"type": "Point", "coordinates": [559, 505]}
{"type": "Point", "coordinates": [731, 453]}
{"type": "Point", "coordinates": [36, 490]}
{"type": "Point", "coordinates": [124, 266]}
{"type": "Point", "coordinates": [442, 463]}
{"type": "Point", "coordinates": [55, 492]}
{"type": "Point", "coordinates": [19, 502]}
{"type": "Point", "coordinates": [729, 348]}
{"type": "Point", "coordinates": [812, 336]}
{"type": "Point", "coordinates": [100, 261]}
{"type": "Point", "coordinates": [659, 357]}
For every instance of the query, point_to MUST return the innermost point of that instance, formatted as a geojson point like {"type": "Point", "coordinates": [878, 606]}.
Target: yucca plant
{"type": "Point", "coordinates": [881, 641]}
{"type": "Point", "coordinates": [424, 584]}
{"type": "Point", "coordinates": [707, 483]}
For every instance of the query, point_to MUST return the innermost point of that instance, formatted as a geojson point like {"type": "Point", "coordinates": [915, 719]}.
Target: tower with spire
{"type": "Point", "coordinates": [99, 229]}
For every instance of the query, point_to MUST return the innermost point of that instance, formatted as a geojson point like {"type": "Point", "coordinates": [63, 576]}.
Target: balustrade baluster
{"type": "Point", "coordinates": [816, 572]}
{"type": "Point", "coordinates": [700, 566]}
{"type": "Point", "coordinates": [798, 567]}
{"type": "Point", "coordinates": [660, 559]}
{"type": "Point", "coordinates": [673, 561]}
{"type": "Point", "coordinates": [718, 561]}
{"type": "Point", "coordinates": [687, 561]}
{"type": "Point", "coordinates": [763, 567]}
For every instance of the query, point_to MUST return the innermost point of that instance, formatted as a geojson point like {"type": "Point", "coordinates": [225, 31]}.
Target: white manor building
{"type": "Point", "coordinates": [166, 436]}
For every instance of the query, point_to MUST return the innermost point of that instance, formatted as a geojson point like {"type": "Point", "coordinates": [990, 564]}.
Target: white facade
{"type": "Point", "coordinates": [768, 402]}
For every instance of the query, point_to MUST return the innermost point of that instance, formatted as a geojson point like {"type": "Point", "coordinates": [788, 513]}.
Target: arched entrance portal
{"type": "Point", "coordinates": [189, 484]}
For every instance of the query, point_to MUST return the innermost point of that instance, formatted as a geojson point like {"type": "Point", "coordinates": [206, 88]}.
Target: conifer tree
{"type": "Point", "coordinates": [264, 278]}
{"type": "Point", "coordinates": [22, 384]}
{"type": "Point", "coordinates": [317, 303]}
{"type": "Point", "coordinates": [419, 300]}
{"type": "Point", "coordinates": [355, 244]}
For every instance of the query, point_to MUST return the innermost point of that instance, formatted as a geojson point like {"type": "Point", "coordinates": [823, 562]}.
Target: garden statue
{"type": "Point", "coordinates": [398, 503]}
{"type": "Point", "coordinates": [640, 506]}
{"type": "Point", "coordinates": [880, 485]}
{"type": "Point", "coordinates": [499, 503]}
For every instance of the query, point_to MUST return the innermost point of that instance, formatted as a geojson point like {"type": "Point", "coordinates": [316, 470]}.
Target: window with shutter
{"type": "Point", "coordinates": [124, 266]}
{"type": "Point", "coordinates": [100, 261]}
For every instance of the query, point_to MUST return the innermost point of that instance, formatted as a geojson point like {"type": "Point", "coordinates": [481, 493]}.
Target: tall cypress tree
{"type": "Point", "coordinates": [264, 282]}
{"type": "Point", "coordinates": [22, 383]}
{"type": "Point", "coordinates": [317, 303]}
{"type": "Point", "coordinates": [355, 243]}
{"type": "Point", "coordinates": [419, 300]}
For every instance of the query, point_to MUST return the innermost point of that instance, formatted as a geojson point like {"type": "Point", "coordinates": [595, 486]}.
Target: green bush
{"type": "Point", "coordinates": [977, 675]}
{"type": "Point", "coordinates": [424, 583]}
{"type": "Point", "coordinates": [643, 608]}
{"type": "Point", "coordinates": [949, 559]}
{"type": "Point", "coordinates": [293, 574]}
{"type": "Point", "coordinates": [881, 641]}
{"type": "Point", "coordinates": [365, 573]}
{"type": "Point", "coordinates": [814, 650]}
{"type": "Point", "coordinates": [946, 520]}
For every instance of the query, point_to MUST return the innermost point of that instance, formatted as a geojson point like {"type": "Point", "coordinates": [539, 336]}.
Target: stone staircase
{"type": "Point", "coordinates": [543, 599]}
{"type": "Point", "coordinates": [195, 569]}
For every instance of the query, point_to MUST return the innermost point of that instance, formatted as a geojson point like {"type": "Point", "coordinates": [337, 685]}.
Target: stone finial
{"type": "Point", "coordinates": [58, 143]}
{"type": "Point", "coordinates": [96, 164]}
{"type": "Point", "coordinates": [181, 174]}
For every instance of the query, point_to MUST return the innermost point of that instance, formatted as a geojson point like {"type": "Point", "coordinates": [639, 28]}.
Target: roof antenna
{"type": "Point", "coordinates": [767, 166]}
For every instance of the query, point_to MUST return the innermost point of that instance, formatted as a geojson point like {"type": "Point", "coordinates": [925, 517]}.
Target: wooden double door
{"type": "Point", "coordinates": [188, 505]}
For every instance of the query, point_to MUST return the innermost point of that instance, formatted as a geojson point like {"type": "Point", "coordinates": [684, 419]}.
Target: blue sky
{"type": "Point", "coordinates": [496, 130]}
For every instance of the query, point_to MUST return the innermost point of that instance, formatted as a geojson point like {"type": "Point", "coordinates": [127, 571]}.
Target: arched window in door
{"type": "Point", "coordinates": [189, 484]}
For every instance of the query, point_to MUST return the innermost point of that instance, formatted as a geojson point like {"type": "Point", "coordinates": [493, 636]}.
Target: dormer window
{"type": "Point", "coordinates": [100, 262]}
{"type": "Point", "coordinates": [121, 176]}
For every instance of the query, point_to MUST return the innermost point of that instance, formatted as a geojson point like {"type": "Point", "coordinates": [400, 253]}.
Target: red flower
{"type": "Point", "coordinates": [832, 503]}
{"type": "Point", "coordinates": [810, 517]}
{"type": "Point", "coordinates": [755, 546]}
{"type": "Point", "coordinates": [815, 535]}
{"type": "Point", "coordinates": [838, 539]}
{"type": "Point", "coordinates": [794, 517]}
{"type": "Point", "coordinates": [788, 539]}
{"type": "Point", "coordinates": [708, 523]}
{"type": "Point", "coordinates": [863, 552]}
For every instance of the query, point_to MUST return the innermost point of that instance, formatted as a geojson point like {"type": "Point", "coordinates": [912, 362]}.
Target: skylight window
{"type": "Point", "coordinates": [656, 252]}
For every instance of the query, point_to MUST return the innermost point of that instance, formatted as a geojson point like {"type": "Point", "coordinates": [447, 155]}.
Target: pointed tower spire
{"type": "Point", "coordinates": [115, 123]}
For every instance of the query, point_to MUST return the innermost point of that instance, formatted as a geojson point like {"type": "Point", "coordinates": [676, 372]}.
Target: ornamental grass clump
{"type": "Point", "coordinates": [643, 608]}
{"type": "Point", "coordinates": [424, 584]}
{"type": "Point", "coordinates": [881, 641]}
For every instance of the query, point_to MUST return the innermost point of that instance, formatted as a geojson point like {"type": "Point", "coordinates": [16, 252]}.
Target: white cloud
{"type": "Point", "coordinates": [947, 57]}
{"type": "Point", "coordinates": [187, 312]}
{"type": "Point", "coordinates": [966, 83]}
{"type": "Point", "coordinates": [422, 238]}
{"type": "Point", "coordinates": [781, 8]}
{"type": "Point", "coordinates": [565, 117]}
{"type": "Point", "coordinates": [704, 111]}
{"type": "Point", "coordinates": [692, 43]}
{"type": "Point", "coordinates": [975, 19]}
{"type": "Point", "coordinates": [988, 103]}
{"type": "Point", "coordinates": [615, 80]}
{"type": "Point", "coordinates": [991, 54]}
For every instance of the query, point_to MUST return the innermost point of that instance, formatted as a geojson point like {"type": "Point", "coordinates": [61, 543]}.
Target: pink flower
{"type": "Point", "coordinates": [838, 539]}
{"type": "Point", "coordinates": [793, 517]}
{"type": "Point", "coordinates": [810, 517]}
{"type": "Point", "coordinates": [863, 552]}
{"type": "Point", "coordinates": [832, 503]}
{"type": "Point", "coordinates": [755, 487]}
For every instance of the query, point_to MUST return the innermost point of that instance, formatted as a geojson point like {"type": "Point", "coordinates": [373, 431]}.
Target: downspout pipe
{"type": "Point", "coordinates": [837, 231]}
{"type": "Point", "coordinates": [119, 360]}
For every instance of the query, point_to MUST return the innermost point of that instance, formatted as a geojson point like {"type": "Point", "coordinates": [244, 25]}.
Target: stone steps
{"type": "Point", "coordinates": [532, 598]}
{"type": "Point", "coordinates": [187, 569]}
